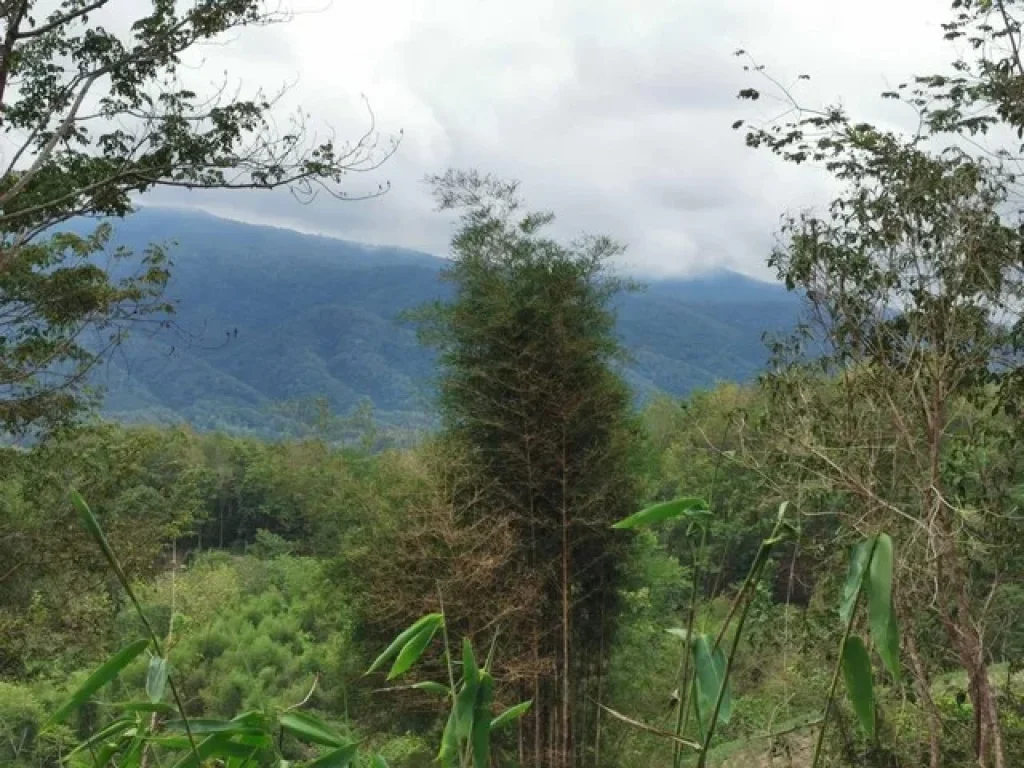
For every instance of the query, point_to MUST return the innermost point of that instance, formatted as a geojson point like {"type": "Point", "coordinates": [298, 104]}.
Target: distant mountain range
{"type": "Point", "coordinates": [269, 319]}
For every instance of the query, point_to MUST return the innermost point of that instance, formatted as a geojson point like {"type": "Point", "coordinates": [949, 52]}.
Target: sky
{"type": "Point", "coordinates": [614, 114]}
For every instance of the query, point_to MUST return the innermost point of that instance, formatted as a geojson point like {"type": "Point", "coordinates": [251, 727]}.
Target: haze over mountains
{"type": "Point", "coordinates": [269, 317]}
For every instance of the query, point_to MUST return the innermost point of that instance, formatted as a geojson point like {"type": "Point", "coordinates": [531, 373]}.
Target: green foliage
{"type": "Point", "coordinates": [86, 137]}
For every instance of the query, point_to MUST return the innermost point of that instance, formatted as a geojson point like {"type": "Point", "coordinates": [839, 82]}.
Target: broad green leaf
{"type": "Point", "coordinates": [309, 728]}
{"type": "Point", "coordinates": [413, 650]}
{"type": "Point", "coordinates": [338, 758]}
{"type": "Point", "coordinates": [857, 674]}
{"type": "Point", "coordinates": [510, 714]}
{"type": "Point", "coordinates": [124, 728]}
{"type": "Point", "coordinates": [448, 755]}
{"type": "Point", "coordinates": [689, 506]}
{"type": "Point", "coordinates": [481, 734]}
{"type": "Point", "coordinates": [854, 578]}
{"type": "Point", "coordinates": [378, 762]}
{"type": "Point", "coordinates": [709, 670]}
{"type": "Point", "coordinates": [204, 726]}
{"type": "Point", "coordinates": [156, 679]}
{"type": "Point", "coordinates": [881, 615]}
{"type": "Point", "coordinates": [465, 701]}
{"type": "Point", "coordinates": [432, 687]}
{"type": "Point", "coordinates": [399, 642]}
{"type": "Point", "coordinates": [103, 675]}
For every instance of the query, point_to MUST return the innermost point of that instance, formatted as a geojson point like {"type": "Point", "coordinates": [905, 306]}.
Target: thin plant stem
{"type": "Point", "coordinates": [752, 578]}
{"type": "Point", "coordinates": [683, 706]}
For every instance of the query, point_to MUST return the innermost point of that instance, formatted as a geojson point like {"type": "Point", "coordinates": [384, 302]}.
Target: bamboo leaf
{"type": "Point", "coordinates": [145, 706]}
{"type": "Point", "coordinates": [881, 615]}
{"type": "Point", "coordinates": [481, 734]}
{"type": "Point", "coordinates": [687, 506]}
{"type": "Point", "coordinates": [710, 667]}
{"type": "Point", "coordinates": [857, 675]}
{"type": "Point", "coordinates": [465, 701]}
{"type": "Point", "coordinates": [156, 679]}
{"type": "Point", "coordinates": [448, 754]}
{"type": "Point", "coordinates": [510, 714]}
{"type": "Point", "coordinates": [122, 728]}
{"type": "Point", "coordinates": [378, 762]}
{"type": "Point", "coordinates": [310, 728]}
{"type": "Point", "coordinates": [412, 650]}
{"type": "Point", "coordinates": [854, 578]}
{"type": "Point", "coordinates": [339, 758]}
{"type": "Point", "coordinates": [103, 675]}
{"type": "Point", "coordinates": [399, 642]}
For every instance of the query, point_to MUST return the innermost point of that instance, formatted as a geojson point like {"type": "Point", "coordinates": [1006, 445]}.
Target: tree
{"type": "Point", "coordinates": [903, 385]}
{"type": "Point", "coordinates": [528, 387]}
{"type": "Point", "coordinates": [90, 118]}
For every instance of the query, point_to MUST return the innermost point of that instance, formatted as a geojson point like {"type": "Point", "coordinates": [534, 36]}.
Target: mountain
{"type": "Point", "coordinates": [268, 319]}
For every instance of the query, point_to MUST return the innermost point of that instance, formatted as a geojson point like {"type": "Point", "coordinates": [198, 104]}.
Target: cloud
{"type": "Point", "coordinates": [615, 114]}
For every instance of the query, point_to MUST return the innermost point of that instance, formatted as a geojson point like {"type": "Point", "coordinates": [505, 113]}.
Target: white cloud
{"type": "Point", "coordinates": [613, 113]}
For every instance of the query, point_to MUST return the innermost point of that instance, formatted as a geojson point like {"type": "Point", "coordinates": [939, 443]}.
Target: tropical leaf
{"type": "Point", "coordinates": [881, 615]}
{"type": "Point", "coordinates": [709, 667]}
{"type": "Point", "coordinates": [687, 506]}
{"type": "Point", "coordinates": [341, 757]}
{"type": "Point", "coordinates": [857, 674]}
{"type": "Point", "coordinates": [156, 679]}
{"type": "Point", "coordinates": [465, 701]}
{"type": "Point", "coordinates": [309, 728]}
{"type": "Point", "coordinates": [510, 714]}
{"type": "Point", "coordinates": [399, 642]}
{"type": "Point", "coordinates": [854, 578]}
{"type": "Point", "coordinates": [412, 650]}
{"type": "Point", "coordinates": [481, 734]}
{"type": "Point", "coordinates": [99, 678]}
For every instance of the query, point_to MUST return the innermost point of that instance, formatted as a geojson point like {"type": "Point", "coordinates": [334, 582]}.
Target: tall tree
{"type": "Point", "coordinates": [528, 386]}
{"type": "Point", "coordinates": [92, 113]}
{"type": "Point", "coordinates": [905, 384]}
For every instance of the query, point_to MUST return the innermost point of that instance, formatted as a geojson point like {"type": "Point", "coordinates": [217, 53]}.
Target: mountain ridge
{"type": "Point", "coordinates": [266, 316]}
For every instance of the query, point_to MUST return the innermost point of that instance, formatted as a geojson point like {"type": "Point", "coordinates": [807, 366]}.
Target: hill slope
{"type": "Point", "coordinates": [268, 315]}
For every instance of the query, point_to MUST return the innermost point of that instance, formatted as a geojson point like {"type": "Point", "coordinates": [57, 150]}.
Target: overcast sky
{"type": "Point", "coordinates": [615, 114]}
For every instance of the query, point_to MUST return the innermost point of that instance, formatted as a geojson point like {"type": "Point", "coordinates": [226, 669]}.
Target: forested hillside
{"type": "Point", "coordinates": [321, 318]}
{"type": "Point", "coordinates": [270, 500]}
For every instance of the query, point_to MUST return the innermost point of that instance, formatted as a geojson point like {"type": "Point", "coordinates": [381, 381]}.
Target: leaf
{"type": "Point", "coordinates": [204, 726]}
{"type": "Point", "coordinates": [465, 701]}
{"type": "Point", "coordinates": [857, 674]}
{"type": "Point", "coordinates": [710, 674]}
{"type": "Point", "coordinates": [481, 735]}
{"type": "Point", "coordinates": [378, 762]}
{"type": "Point", "coordinates": [399, 642]}
{"type": "Point", "coordinates": [854, 578]}
{"type": "Point", "coordinates": [689, 506]}
{"type": "Point", "coordinates": [412, 650]}
{"type": "Point", "coordinates": [103, 675]}
{"type": "Point", "coordinates": [217, 745]}
{"type": "Point", "coordinates": [123, 727]}
{"type": "Point", "coordinates": [156, 679]}
{"type": "Point", "coordinates": [339, 758]}
{"type": "Point", "coordinates": [307, 727]}
{"type": "Point", "coordinates": [881, 615]}
{"type": "Point", "coordinates": [432, 687]}
{"type": "Point", "coordinates": [510, 714]}
{"type": "Point", "coordinates": [449, 751]}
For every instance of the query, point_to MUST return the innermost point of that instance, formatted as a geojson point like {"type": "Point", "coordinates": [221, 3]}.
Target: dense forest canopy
{"type": "Point", "coordinates": [820, 566]}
